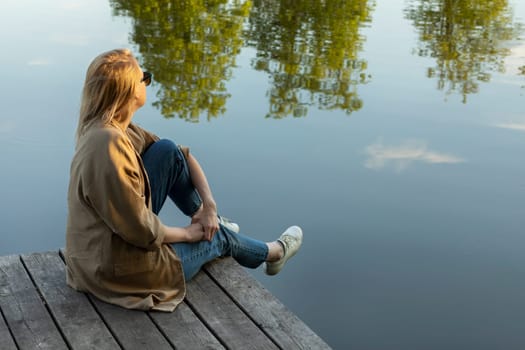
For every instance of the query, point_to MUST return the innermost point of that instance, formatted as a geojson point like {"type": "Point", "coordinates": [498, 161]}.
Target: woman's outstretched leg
{"type": "Point", "coordinates": [247, 251]}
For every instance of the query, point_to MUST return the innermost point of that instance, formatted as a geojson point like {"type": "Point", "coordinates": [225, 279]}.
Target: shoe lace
{"type": "Point", "coordinates": [287, 242]}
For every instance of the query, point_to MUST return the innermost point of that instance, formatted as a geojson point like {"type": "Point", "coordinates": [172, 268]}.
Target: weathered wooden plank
{"type": "Point", "coordinates": [6, 341]}
{"type": "Point", "coordinates": [184, 329]}
{"type": "Point", "coordinates": [225, 308]}
{"type": "Point", "coordinates": [76, 317]}
{"type": "Point", "coordinates": [24, 311]}
{"type": "Point", "coordinates": [133, 329]}
{"type": "Point", "coordinates": [284, 327]}
{"type": "Point", "coordinates": [227, 321]}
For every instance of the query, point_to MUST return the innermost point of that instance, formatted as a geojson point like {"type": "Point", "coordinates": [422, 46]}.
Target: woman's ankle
{"type": "Point", "coordinates": [275, 251]}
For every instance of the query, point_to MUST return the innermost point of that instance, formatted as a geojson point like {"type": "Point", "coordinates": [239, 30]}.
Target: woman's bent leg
{"type": "Point", "coordinates": [169, 175]}
{"type": "Point", "coordinates": [246, 251]}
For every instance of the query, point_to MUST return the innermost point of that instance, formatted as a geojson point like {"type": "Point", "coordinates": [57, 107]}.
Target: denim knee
{"type": "Point", "coordinates": [169, 176]}
{"type": "Point", "coordinates": [169, 148]}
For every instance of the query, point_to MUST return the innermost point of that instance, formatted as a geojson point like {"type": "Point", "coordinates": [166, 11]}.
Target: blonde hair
{"type": "Point", "coordinates": [111, 81]}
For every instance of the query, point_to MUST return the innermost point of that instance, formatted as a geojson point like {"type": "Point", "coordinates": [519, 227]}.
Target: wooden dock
{"type": "Point", "coordinates": [225, 308]}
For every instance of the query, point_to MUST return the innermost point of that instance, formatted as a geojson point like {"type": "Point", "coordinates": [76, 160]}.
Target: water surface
{"type": "Point", "coordinates": [390, 131]}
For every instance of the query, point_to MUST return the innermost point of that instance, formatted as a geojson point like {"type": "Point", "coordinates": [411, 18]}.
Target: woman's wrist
{"type": "Point", "coordinates": [176, 234]}
{"type": "Point", "coordinates": [209, 204]}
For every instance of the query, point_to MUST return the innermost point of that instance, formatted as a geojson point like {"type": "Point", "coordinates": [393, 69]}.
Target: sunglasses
{"type": "Point", "coordinates": [146, 79]}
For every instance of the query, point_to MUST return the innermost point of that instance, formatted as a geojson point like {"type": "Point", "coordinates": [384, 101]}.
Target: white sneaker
{"type": "Point", "coordinates": [232, 226]}
{"type": "Point", "coordinates": [291, 240]}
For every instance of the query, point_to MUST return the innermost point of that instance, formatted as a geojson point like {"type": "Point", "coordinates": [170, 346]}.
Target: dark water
{"type": "Point", "coordinates": [391, 131]}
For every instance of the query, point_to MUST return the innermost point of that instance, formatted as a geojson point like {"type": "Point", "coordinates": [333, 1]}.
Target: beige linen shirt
{"type": "Point", "coordinates": [114, 246]}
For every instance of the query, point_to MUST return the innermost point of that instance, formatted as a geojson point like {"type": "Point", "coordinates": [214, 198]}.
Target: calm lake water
{"type": "Point", "coordinates": [391, 131]}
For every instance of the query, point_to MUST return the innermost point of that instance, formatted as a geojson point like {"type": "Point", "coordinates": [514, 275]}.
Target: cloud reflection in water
{"type": "Point", "coordinates": [512, 126]}
{"type": "Point", "coordinates": [403, 155]}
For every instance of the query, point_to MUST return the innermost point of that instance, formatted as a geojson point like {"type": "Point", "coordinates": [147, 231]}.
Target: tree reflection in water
{"type": "Point", "coordinates": [466, 38]}
{"type": "Point", "coordinates": [190, 46]}
{"type": "Point", "coordinates": [309, 49]}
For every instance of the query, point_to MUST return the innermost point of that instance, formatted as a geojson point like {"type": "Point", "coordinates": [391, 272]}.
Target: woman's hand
{"type": "Point", "coordinates": [194, 233]}
{"type": "Point", "coordinates": [207, 217]}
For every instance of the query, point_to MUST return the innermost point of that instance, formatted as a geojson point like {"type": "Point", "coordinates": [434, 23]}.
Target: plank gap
{"type": "Point", "coordinates": [161, 331]}
{"type": "Point", "coordinates": [205, 323]}
{"type": "Point", "coordinates": [44, 302]}
{"type": "Point", "coordinates": [242, 308]}
{"type": "Point", "coordinates": [270, 314]}
{"type": "Point", "coordinates": [108, 326]}
{"type": "Point", "coordinates": [9, 329]}
{"type": "Point", "coordinates": [92, 303]}
{"type": "Point", "coordinates": [61, 255]}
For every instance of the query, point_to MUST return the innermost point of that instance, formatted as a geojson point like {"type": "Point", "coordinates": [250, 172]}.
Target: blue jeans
{"type": "Point", "coordinates": [169, 176]}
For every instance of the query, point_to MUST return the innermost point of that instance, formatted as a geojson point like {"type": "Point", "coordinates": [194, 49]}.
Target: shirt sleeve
{"type": "Point", "coordinates": [117, 194]}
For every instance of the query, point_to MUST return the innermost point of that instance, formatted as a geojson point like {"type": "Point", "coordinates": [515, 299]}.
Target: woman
{"type": "Point", "coordinates": [116, 246]}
